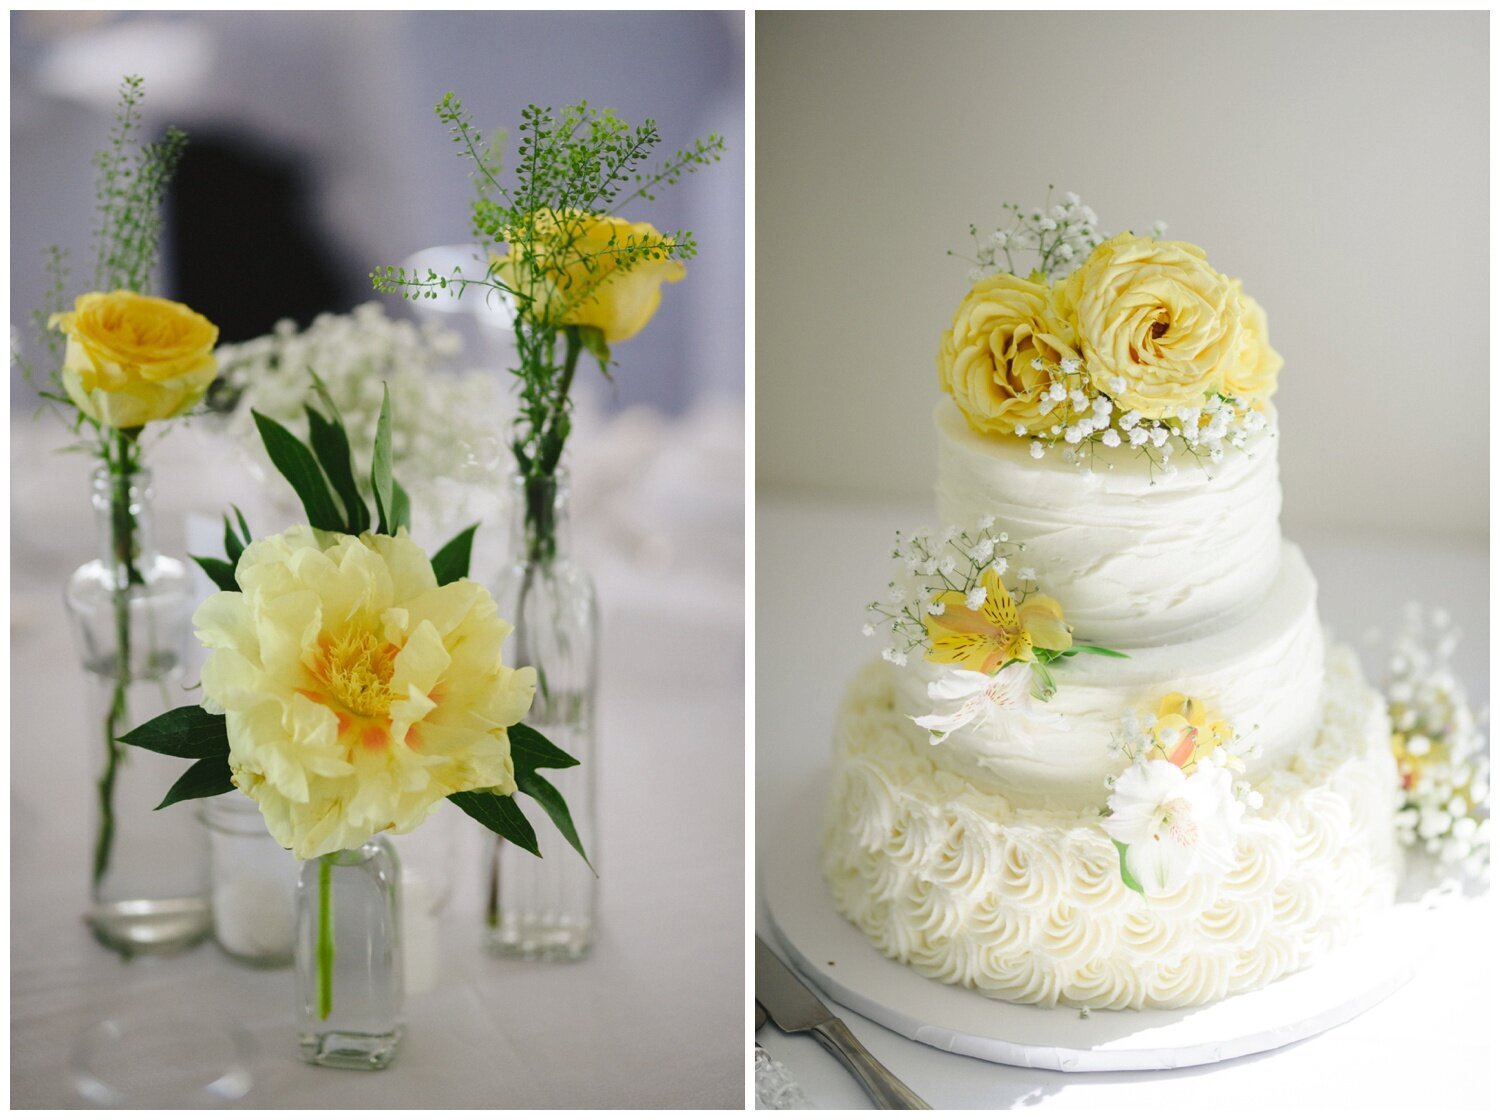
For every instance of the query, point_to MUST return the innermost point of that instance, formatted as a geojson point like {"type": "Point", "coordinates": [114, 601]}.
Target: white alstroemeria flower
{"type": "Point", "coordinates": [1172, 824]}
{"type": "Point", "coordinates": [972, 697]}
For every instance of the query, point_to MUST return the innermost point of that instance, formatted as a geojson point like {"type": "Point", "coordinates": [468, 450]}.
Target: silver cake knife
{"type": "Point", "coordinates": [794, 1008]}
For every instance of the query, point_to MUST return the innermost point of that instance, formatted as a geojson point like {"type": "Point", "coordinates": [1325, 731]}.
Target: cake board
{"type": "Point", "coordinates": [836, 957]}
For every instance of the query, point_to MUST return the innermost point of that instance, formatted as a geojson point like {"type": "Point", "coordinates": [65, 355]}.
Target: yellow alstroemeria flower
{"type": "Point", "coordinates": [1187, 731]}
{"type": "Point", "coordinates": [998, 632]}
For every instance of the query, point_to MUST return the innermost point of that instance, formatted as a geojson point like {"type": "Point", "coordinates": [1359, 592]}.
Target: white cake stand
{"type": "Point", "coordinates": [838, 959]}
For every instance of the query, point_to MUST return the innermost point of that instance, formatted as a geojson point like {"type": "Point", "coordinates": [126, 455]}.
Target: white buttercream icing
{"type": "Point", "coordinates": [1027, 905]}
{"type": "Point", "coordinates": [1135, 558]}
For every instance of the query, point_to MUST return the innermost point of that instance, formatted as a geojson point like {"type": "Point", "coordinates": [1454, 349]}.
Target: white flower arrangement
{"type": "Point", "coordinates": [1061, 235]}
{"type": "Point", "coordinates": [1439, 743]}
{"type": "Point", "coordinates": [446, 427]}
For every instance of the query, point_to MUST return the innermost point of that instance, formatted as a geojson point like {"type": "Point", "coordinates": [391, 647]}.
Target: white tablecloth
{"type": "Point", "coordinates": [818, 563]}
{"type": "Point", "coordinates": [654, 1018]}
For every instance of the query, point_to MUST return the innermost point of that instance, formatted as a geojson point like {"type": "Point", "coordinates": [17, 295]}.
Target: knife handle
{"type": "Point", "coordinates": [880, 1083]}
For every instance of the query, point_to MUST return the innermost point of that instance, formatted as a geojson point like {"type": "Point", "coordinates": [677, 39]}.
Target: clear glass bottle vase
{"type": "Point", "coordinates": [131, 613]}
{"type": "Point", "coordinates": [350, 993]}
{"type": "Point", "coordinates": [547, 908]}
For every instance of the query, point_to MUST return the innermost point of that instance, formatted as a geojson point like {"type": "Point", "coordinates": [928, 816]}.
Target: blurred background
{"type": "Point", "coordinates": [314, 154]}
{"type": "Point", "coordinates": [1338, 162]}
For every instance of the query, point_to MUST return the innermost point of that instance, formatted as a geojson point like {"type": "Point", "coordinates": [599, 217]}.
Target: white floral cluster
{"type": "Point", "coordinates": [445, 427]}
{"type": "Point", "coordinates": [1137, 740]}
{"type": "Point", "coordinates": [931, 564]}
{"type": "Point", "coordinates": [1439, 743]}
{"type": "Point", "coordinates": [1080, 418]}
{"type": "Point", "coordinates": [1060, 235]}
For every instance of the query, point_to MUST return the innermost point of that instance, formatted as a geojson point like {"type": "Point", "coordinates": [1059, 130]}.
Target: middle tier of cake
{"type": "Point", "coordinates": [1262, 674]}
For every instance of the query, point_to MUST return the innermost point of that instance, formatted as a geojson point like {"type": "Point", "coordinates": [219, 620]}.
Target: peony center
{"type": "Point", "coordinates": [356, 667]}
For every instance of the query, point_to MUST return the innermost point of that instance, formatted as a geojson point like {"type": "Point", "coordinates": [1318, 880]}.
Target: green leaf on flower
{"type": "Point", "coordinates": [530, 751]}
{"type": "Point", "coordinates": [187, 732]}
{"type": "Point", "coordinates": [299, 467]}
{"type": "Point", "coordinates": [330, 443]}
{"type": "Point", "coordinates": [380, 469]}
{"type": "Point", "coordinates": [208, 777]}
{"type": "Point", "coordinates": [1125, 875]}
{"type": "Point", "coordinates": [545, 794]}
{"type": "Point", "coordinates": [244, 526]}
{"type": "Point", "coordinates": [400, 507]}
{"type": "Point", "coordinates": [451, 562]}
{"type": "Point", "coordinates": [234, 548]}
{"type": "Point", "coordinates": [1102, 651]}
{"type": "Point", "coordinates": [501, 815]}
{"type": "Point", "coordinates": [220, 571]}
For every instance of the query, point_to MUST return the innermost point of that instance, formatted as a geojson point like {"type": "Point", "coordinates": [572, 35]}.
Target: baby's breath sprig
{"type": "Point", "coordinates": [1060, 236]}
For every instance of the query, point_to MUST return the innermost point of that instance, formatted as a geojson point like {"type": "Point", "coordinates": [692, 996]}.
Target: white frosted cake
{"type": "Point", "coordinates": [1110, 760]}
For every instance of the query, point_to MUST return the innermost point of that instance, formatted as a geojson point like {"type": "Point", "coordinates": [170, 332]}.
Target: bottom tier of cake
{"type": "Point", "coordinates": [1029, 905]}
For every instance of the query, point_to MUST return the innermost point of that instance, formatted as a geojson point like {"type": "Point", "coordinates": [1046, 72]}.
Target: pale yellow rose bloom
{"type": "Point", "coordinates": [358, 693]}
{"type": "Point", "coordinates": [132, 359]}
{"type": "Point", "coordinates": [1157, 317]}
{"type": "Point", "coordinates": [1253, 377]}
{"type": "Point", "coordinates": [985, 359]}
{"type": "Point", "coordinates": [576, 280]}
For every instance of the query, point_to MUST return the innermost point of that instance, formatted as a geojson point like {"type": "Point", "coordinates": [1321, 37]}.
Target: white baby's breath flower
{"type": "Point", "coordinates": [1037, 450]}
{"type": "Point", "coordinates": [1110, 438]}
{"type": "Point", "coordinates": [1027, 575]}
{"type": "Point", "coordinates": [975, 598]}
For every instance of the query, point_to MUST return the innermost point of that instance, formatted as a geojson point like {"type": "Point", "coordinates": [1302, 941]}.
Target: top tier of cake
{"type": "Point", "coordinates": [1135, 558]}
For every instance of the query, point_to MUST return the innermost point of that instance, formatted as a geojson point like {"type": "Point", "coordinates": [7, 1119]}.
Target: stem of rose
{"type": "Point", "coordinates": [325, 936]}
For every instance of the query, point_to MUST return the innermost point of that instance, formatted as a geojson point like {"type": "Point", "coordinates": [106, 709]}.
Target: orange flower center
{"type": "Point", "coordinates": [356, 668]}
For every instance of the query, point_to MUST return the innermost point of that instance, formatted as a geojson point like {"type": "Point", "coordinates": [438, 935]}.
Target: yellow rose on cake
{"type": "Point", "coordinates": [132, 359]}
{"type": "Point", "coordinates": [1253, 377]}
{"type": "Point", "coordinates": [577, 276]}
{"type": "Point", "coordinates": [1157, 326]}
{"type": "Point", "coordinates": [358, 693]}
{"type": "Point", "coordinates": [985, 360]}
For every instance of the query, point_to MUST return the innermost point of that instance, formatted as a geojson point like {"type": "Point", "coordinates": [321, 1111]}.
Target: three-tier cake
{"type": "Point", "coordinates": [1109, 759]}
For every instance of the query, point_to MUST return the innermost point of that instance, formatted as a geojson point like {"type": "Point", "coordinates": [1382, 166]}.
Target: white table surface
{"type": "Point", "coordinates": [654, 1018]}
{"type": "Point", "coordinates": [1426, 1048]}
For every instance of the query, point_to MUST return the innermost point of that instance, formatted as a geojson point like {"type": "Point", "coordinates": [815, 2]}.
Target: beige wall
{"type": "Point", "coordinates": [1337, 162]}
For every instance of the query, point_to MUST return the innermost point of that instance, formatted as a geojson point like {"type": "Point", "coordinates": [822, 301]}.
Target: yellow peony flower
{"type": "Point", "coordinates": [987, 638]}
{"type": "Point", "coordinates": [131, 359]}
{"type": "Point", "coordinates": [1188, 730]}
{"type": "Point", "coordinates": [1155, 316]}
{"type": "Point", "coordinates": [985, 359]}
{"type": "Point", "coordinates": [358, 693]}
{"type": "Point", "coordinates": [1253, 377]}
{"type": "Point", "coordinates": [578, 282]}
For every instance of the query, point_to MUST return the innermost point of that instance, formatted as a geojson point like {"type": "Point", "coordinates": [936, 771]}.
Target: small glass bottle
{"type": "Point", "coordinates": [254, 884]}
{"type": "Point", "coordinates": [131, 612]}
{"type": "Point", "coordinates": [547, 908]}
{"type": "Point", "coordinates": [349, 981]}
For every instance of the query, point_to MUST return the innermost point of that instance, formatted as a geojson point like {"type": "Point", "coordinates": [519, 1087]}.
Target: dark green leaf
{"type": "Point", "coordinates": [220, 571]}
{"type": "Point", "coordinates": [330, 443]}
{"type": "Point", "coordinates": [501, 815]}
{"type": "Point", "coordinates": [1130, 880]}
{"type": "Point", "coordinates": [298, 466]}
{"type": "Point", "coordinates": [545, 794]}
{"type": "Point", "coordinates": [530, 750]}
{"type": "Point", "coordinates": [244, 526]}
{"type": "Point", "coordinates": [208, 777]}
{"type": "Point", "coordinates": [234, 548]}
{"type": "Point", "coordinates": [451, 562]}
{"type": "Point", "coordinates": [187, 732]}
{"type": "Point", "coordinates": [400, 507]}
{"type": "Point", "coordinates": [1102, 651]}
{"type": "Point", "coordinates": [380, 468]}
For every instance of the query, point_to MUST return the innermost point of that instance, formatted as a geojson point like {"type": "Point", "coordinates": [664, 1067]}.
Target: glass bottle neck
{"type": "Point", "coordinates": [122, 519]}
{"type": "Point", "coordinates": [540, 527]}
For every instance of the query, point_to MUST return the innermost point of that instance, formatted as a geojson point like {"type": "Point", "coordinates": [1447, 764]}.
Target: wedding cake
{"type": "Point", "coordinates": [1109, 758]}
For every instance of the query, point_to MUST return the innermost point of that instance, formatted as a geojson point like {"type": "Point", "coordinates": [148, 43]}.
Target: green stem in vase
{"type": "Point", "coordinates": [122, 466]}
{"type": "Point", "coordinates": [325, 936]}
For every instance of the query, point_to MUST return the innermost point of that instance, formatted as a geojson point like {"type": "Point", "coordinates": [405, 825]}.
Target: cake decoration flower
{"type": "Point", "coordinates": [949, 601]}
{"type": "Point", "coordinates": [1169, 825]}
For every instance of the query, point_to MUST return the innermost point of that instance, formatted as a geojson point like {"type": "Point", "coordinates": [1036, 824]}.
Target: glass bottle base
{"type": "Point", "coordinates": [151, 925]}
{"type": "Point", "coordinates": [539, 938]}
{"type": "Point", "coordinates": [349, 1049]}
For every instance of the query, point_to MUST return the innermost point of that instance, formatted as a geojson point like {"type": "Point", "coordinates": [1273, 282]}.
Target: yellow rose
{"type": "Point", "coordinates": [131, 359]}
{"type": "Point", "coordinates": [358, 693]}
{"type": "Point", "coordinates": [1153, 318]}
{"type": "Point", "coordinates": [1253, 377]}
{"type": "Point", "coordinates": [985, 359]}
{"type": "Point", "coordinates": [578, 281]}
